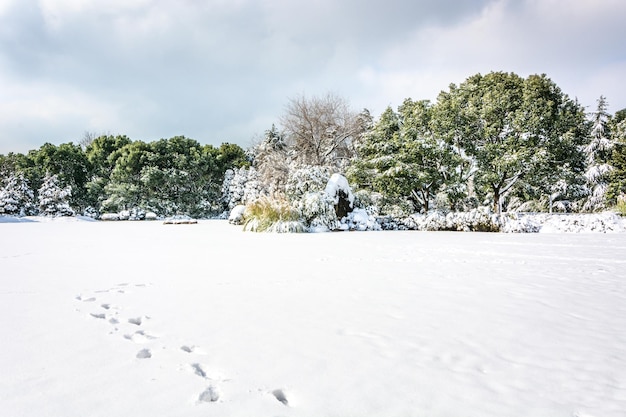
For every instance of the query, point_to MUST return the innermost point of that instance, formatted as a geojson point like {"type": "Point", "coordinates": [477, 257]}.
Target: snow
{"type": "Point", "coordinates": [138, 318]}
{"type": "Point", "coordinates": [236, 214]}
{"type": "Point", "coordinates": [337, 183]}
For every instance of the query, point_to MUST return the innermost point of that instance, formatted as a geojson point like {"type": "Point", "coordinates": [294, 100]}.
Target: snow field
{"type": "Point", "coordinates": [139, 318]}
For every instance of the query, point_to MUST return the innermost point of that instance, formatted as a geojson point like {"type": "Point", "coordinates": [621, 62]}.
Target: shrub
{"type": "Point", "coordinates": [272, 215]}
{"type": "Point", "coordinates": [621, 206]}
{"type": "Point", "coordinates": [318, 211]}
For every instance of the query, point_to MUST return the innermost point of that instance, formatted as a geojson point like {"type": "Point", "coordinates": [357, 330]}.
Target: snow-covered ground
{"type": "Point", "coordinates": [146, 319]}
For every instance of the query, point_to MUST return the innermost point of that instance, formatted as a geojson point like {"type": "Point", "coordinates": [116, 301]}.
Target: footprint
{"type": "Point", "coordinates": [140, 337]}
{"type": "Point", "coordinates": [192, 349]}
{"type": "Point", "coordinates": [86, 300]}
{"type": "Point", "coordinates": [113, 320]}
{"type": "Point", "coordinates": [209, 395]}
{"type": "Point", "coordinates": [105, 306]}
{"type": "Point", "coordinates": [98, 315]}
{"type": "Point", "coordinates": [144, 354]}
{"type": "Point", "coordinates": [197, 369]}
{"type": "Point", "coordinates": [136, 321]}
{"type": "Point", "coordinates": [279, 394]}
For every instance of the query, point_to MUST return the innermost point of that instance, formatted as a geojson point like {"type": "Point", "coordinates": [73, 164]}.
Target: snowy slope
{"type": "Point", "coordinates": [143, 319]}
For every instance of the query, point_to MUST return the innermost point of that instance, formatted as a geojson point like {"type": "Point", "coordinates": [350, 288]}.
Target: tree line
{"type": "Point", "coordinates": [112, 173]}
{"type": "Point", "coordinates": [497, 140]}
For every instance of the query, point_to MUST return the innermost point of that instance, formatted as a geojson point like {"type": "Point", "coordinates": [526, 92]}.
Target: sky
{"type": "Point", "coordinates": [224, 70]}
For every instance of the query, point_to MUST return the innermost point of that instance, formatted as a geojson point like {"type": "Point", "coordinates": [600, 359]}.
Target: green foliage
{"type": "Point", "coordinates": [617, 186]}
{"type": "Point", "coordinates": [513, 130]}
{"type": "Point", "coordinates": [403, 158]}
{"type": "Point", "coordinates": [168, 176]}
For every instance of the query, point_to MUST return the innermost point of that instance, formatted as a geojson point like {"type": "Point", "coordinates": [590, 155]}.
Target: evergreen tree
{"type": "Point", "coordinates": [617, 185]}
{"type": "Point", "coordinates": [510, 127]}
{"type": "Point", "coordinates": [401, 157]}
{"type": "Point", "coordinates": [16, 197]}
{"type": "Point", "coordinates": [598, 152]}
{"type": "Point", "coordinates": [272, 161]}
{"type": "Point", "coordinates": [54, 200]}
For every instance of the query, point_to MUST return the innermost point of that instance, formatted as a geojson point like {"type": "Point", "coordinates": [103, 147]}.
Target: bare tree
{"type": "Point", "coordinates": [321, 130]}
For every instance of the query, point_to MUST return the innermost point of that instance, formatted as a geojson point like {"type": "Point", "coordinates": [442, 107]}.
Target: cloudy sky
{"type": "Point", "coordinates": [223, 70]}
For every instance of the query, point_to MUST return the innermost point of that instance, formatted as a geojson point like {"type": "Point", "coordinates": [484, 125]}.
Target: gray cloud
{"type": "Point", "coordinates": [223, 70]}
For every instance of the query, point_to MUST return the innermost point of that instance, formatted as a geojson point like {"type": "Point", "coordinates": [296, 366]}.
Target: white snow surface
{"type": "Point", "coordinates": [142, 319]}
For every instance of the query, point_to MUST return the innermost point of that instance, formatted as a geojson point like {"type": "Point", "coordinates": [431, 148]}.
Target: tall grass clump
{"type": "Point", "coordinates": [272, 215]}
{"type": "Point", "coordinates": [620, 207]}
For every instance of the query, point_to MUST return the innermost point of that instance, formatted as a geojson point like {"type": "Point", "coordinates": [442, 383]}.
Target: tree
{"type": "Point", "coordinates": [425, 162]}
{"type": "Point", "coordinates": [376, 153]}
{"type": "Point", "coordinates": [598, 152]}
{"type": "Point", "coordinates": [101, 155]}
{"type": "Point", "coordinates": [617, 176]}
{"type": "Point", "coordinates": [508, 126]}
{"type": "Point", "coordinates": [53, 199]}
{"type": "Point", "coordinates": [401, 157]}
{"type": "Point", "coordinates": [272, 161]}
{"type": "Point", "coordinates": [16, 197]}
{"type": "Point", "coordinates": [320, 130]}
{"type": "Point", "coordinates": [124, 190]}
{"type": "Point", "coordinates": [69, 163]}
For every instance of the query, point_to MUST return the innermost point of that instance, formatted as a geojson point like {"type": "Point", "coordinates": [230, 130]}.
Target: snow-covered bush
{"type": "Point", "coordinates": [359, 219]}
{"type": "Point", "coordinates": [54, 200]}
{"type": "Point", "coordinates": [317, 210]}
{"type": "Point", "coordinates": [90, 212]}
{"type": "Point", "coordinates": [137, 213]}
{"type": "Point", "coordinates": [339, 190]}
{"type": "Point", "coordinates": [369, 201]}
{"type": "Point", "coordinates": [16, 197]}
{"type": "Point", "coordinates": [109, 216]}
{"type": "Point", "coordinates": [241, 186]}
{"type": "Point", "coordinates": [520, 223]}
{"type": "Point", "coordinates": [397, 208]}
{"type": "Point", "coordinates": [306, 179]}
{"type": "Point", "coordinates": [583, 223]}
{"type": "Point", "coordinates": [478, 220]}
{"type": "Point", "coordinates": [434, 220]}
{"type": "Point", "coordinates": [236, 215]}
{"type": "Point", "coordinates": [314, 201]}
{"type": "Point", "coordinates": [180, 219]}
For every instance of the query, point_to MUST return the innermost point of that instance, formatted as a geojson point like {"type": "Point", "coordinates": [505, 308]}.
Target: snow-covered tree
{"type": "Point", "coordinates": [617, 187]}
{"type": "Point", "coordinates": [54, 200]}
{"type": "Point", "coordinates": [403, 158]}
{"type": "Point", "coordinates": [305, 179]}
{"type": "Point", "coordinates": [321, 130]}
{"type": "Point", "coordinates": [16, 197]}
{"type": "Point", "coordinates": [241, 186]}
{"type": "Point", "coordinates": [272, 161]}
{"type": "Point", "coordinates": [511, 127]}
{"type": "Point", "coordinates": [598, 152]}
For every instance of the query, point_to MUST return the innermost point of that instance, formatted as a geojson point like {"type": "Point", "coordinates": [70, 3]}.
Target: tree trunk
{"type": "Point", "coordinates": [496, 200]}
